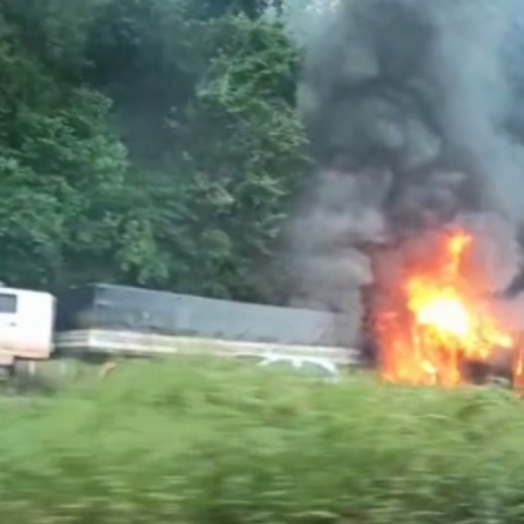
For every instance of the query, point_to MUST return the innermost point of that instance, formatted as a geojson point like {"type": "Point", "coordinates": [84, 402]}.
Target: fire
{"type": "Point", "coordinates": [442, 323]}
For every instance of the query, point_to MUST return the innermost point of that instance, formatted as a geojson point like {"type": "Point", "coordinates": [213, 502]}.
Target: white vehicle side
{"type": "Point", "coordinates": [26, 325]}
{"type": "Point", "coordinates": [324, 366]}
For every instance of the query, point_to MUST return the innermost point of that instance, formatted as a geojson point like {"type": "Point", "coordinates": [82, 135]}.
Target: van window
{"type": "Point", "coordinates": [8, 303]}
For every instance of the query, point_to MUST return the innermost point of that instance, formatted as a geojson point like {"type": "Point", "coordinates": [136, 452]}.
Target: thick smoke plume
{"type": "Point", "coordinates": [413, 112]}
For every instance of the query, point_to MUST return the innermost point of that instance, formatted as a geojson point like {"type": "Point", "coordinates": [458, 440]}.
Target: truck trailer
{"type": "Point", "coordinates": [105, 321]}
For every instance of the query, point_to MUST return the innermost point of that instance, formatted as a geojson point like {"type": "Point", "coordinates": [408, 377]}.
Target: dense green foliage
{"type": "Point", "coordinates": [147, 142]}
{"type": "Point", "coordinates": [197, 444]}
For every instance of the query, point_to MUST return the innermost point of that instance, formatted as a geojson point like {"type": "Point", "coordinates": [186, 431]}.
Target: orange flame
{"type": "Point", "coordinates": [443, 322]}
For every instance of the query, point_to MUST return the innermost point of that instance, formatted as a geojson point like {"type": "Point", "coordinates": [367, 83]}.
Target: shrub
{"type": "Point", "coordinates": [195, 444]}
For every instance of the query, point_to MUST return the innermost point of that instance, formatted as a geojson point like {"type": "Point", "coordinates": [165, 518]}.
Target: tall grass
{"type": "Point", "coordinates": [191, 444]}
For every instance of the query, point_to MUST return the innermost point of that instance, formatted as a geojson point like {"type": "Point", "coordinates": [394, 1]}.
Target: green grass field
{"type": "Point", "coordinates": [190, 443]}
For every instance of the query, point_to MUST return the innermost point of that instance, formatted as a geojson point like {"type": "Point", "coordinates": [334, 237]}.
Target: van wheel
{"type": "Point", "coordinates": [27, 377]}
{"type": "Point", "coordinates": [24, 368]}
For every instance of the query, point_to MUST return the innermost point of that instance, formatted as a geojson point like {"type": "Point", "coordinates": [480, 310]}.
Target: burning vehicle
{"type": "Point", "coordinates": [433, 321]}
{"type": "Point", "coordinates": [415, 116]}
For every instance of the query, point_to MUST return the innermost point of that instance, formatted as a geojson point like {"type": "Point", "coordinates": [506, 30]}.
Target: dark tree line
{"type": "Point", "coordinates": [147, 142]}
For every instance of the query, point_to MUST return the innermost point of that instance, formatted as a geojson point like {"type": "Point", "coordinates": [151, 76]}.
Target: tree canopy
{"type": "Point", "coordinates": [147, 142]}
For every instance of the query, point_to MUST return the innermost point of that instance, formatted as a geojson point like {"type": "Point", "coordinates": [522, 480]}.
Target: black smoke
{"type": "Point", "coordinates": [415, 113]}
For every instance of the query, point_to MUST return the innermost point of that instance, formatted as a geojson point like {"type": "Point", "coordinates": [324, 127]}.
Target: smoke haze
{"type": "Point", "coordinates": [412, 107]}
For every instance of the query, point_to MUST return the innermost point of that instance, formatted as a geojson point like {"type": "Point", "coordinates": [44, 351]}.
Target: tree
{"type": "Point", "coordinates": [61, 170]}
{"type": "Point", "coordinates": [243, 140]}
{"type": "Point", "coordinates": [146, 142]}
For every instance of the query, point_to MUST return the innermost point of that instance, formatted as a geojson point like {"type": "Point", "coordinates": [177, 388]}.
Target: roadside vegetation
{"type": "Point", "coordinates": [222, 443]}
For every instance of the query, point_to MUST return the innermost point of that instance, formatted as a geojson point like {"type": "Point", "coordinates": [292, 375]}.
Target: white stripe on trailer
{"type": "Point", "coordinates": [131, 343]}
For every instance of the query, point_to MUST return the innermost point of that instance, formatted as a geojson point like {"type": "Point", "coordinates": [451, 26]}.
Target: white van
{"type": "Point", "coordinates": [26, 325]}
